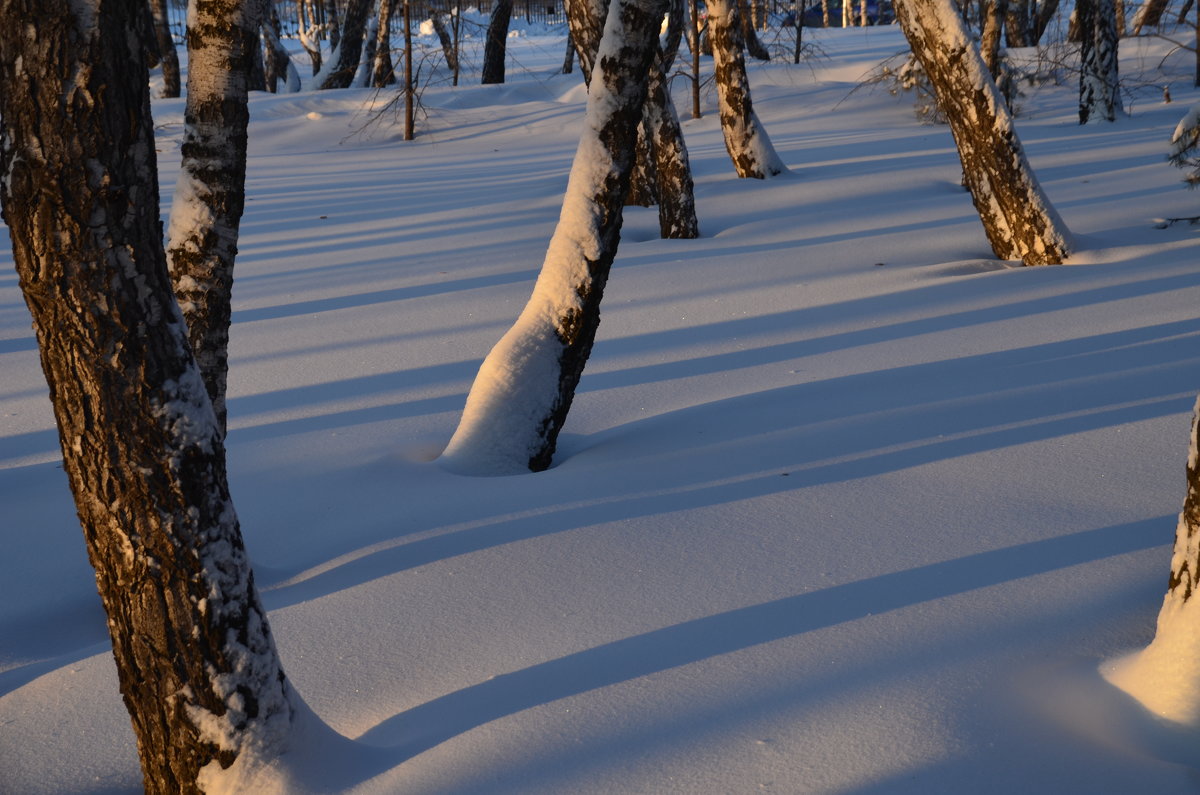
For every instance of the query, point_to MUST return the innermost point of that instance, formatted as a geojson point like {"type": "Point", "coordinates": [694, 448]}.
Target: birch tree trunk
{"type": "Point", "coordinates": [168, 57]}
{"type": "Point", "coordinates": [1165, 676]}
{"type": "Point", "coordinates": [745, 139]}
{"type": "Point", "coordinates": [1099, 83]}
{"type": "Point", "coordinates": [1018, 219]}
{"type": "Point", "coordinates": [666, 175]}
{"type": "Point", "coordinates": [495, 45]}
{"type": "Point", "coordinates": [993, 26]}
{"type": "Point", "coordinates": [210, 193]}
{"type": "Point", "coordinates": [383, 72]}
{"type": "Point", "coordinates": [141, 446]}
{"type": "Point", "coordinates": [348, 50]}
{"type": "Point", "coordinates": [524, 389]}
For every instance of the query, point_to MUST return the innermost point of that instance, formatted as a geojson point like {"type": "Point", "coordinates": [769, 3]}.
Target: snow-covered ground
{"type": "Point", "coordinates": [843, 505]}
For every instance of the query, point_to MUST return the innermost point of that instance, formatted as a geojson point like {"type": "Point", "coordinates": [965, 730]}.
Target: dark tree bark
{"type": "Point", "coordinates": [141, 446]}
{"type": "Point", "coordinates": [524, 390]}
{"type": "Point", "coordinates": [1018, 31]}
{"type": "Point", "coordinates": [334, 25]}
{"type": "Point", "coordinates": [348, 50]}
{"type": "Point", "coordinates": [745, 139]}
{"type": "Point", "coordinates": [569, 59]}
{"type": "Point", "coordinates": [495, 44]}
{"type": "Point", "coordinates": [1099, 83]}
{"type": "Point", "coordinates": [308, 27]}
{"type": "Point", "coordinates": [211, 191]}
{"type": "Point", "coordinates": [1019, 221]}
{"type": "Point", "coordinates": [383, 72]}
{"type": "Point", "coordinates": [168, 57]}
{"type": "Point", "coordinates": [1045, 13]}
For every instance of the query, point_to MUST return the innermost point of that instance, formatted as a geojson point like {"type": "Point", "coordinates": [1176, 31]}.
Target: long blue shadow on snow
{"type": "Point", "coordinates": [430, 724]}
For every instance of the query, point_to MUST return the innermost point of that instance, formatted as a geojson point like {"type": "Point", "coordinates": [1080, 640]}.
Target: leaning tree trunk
{"type": "Point", "coordinates": [141, 446]}
{"type": "Point", "coordinates": [494, 45]}
{"type": "Point", "coordinates": [745, 139]}
{"type": "Point", "coordinates": [1045, 12]}
{"type": "Point", "coordinates": [348, 50]}
{"type": "Point", "coordinates": [168, 57]}
{"type": "Point", "coordinates": [1165, 676]}
{"type": "Point", "coordinates": [1018, 219]}
{"type": "Point", "coordinates": [661, 148]}
{"type": "Point", "coordinates": [211, 190]}
{"type": "Point", "coordinates": [1099, 86]}
{"type": "Point", "coordinates": [1149, 15]}
{"type": "Point", "coordinates": [750, 40]}
{"type": "Point", "coordinates": [448, 51]}
{"type": "Point", "coordinates": [1017, 27]}
{"type": "Point", "coordinates": [521, 397]}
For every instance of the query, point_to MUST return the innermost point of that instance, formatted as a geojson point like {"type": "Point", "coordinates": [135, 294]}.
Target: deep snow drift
{"type": "Point", "coordinates": [843, 505]}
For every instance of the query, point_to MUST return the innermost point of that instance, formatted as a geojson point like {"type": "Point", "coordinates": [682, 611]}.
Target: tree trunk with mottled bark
{"type": "Point", "coordinates": [494, 46]}
{"type": "Point", "coordinates": [521, 397]}
{"type": "Point", "coordinates": [383, 72]}
{"type": "Point", "coordinates": [1099, 83]}
{"type": "Point", "coordinates": [141, 447]}
{"type": "Point", "coordinates": [168, 56]}
{"type": "Point", "coordinates": [348, 50]}
{"type": "Point", "coordinates": [665, 175]}
{"type": "Point", "coordinates": [210, 193]}
{"type": "Point", "coordinates": [1018, 31]}
{"type": "Point", "coordinates": [439, 27]}
{"type": "Point", "coordinates": [1018, 219]}
{"type": "Point", "coordinates": [745, 139]}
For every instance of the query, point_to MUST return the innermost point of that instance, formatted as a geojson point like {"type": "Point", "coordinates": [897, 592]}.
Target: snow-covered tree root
{"type": "Point", "coordinates": [524, 388]}
{"type": "Point", "coordinates": [1018, 219]}
{"type": "Point", "coordinates": [1165, 676]}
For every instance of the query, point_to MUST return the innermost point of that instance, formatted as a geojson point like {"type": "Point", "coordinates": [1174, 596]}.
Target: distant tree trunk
{"type": "Point", "coordinates": [383, 73]}
{"type": "Point", "coordinates": [798, 27]}
{"type": "Point", "coordinates": [333, 23]}
{"type": "Point", "coordinates": [497, 40]}
{"type": "Point", "coordinates": [524, 389]}
{"type": "Point", "coordinates": [694, 13]}
{"type": "Point", "coordinates": [750, 41]}
{"type": "Point", "coordinates": [1017, 28]}
{"type": "Point", "coordinates": [1045, 13]}
{"type": "Point", "coordinates": [993, 26]}
{"type": "Point", "coordinates": [745, 139]}
{"type": "Point", "coordinates": [569, 59]}
{"type": "Point", "coordinates": [141, 447]}
{"type": "Point", "coordinates": [1099, 84]}
{"type": "Point", "coordinates": [410, 87]}
{"type": "Point", "coordinates": [826, 20]}
{"type": "Point", "coordinates": [278, 63]}
{"type": "Point", "coordinates": [1019, 221]}
{"type": "Point", "coordinates": [308, 28]}
{"type": "Point", "coordinates": [348, 51]}
{"type": "Point", "coordinates": [439, 27]}
{"type": "Point", "coordinates": [168, 57]}
{"type": "Point", "coordinates": [210, 193]}
{"type": "Point", "coordinates": [1149, 15]}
